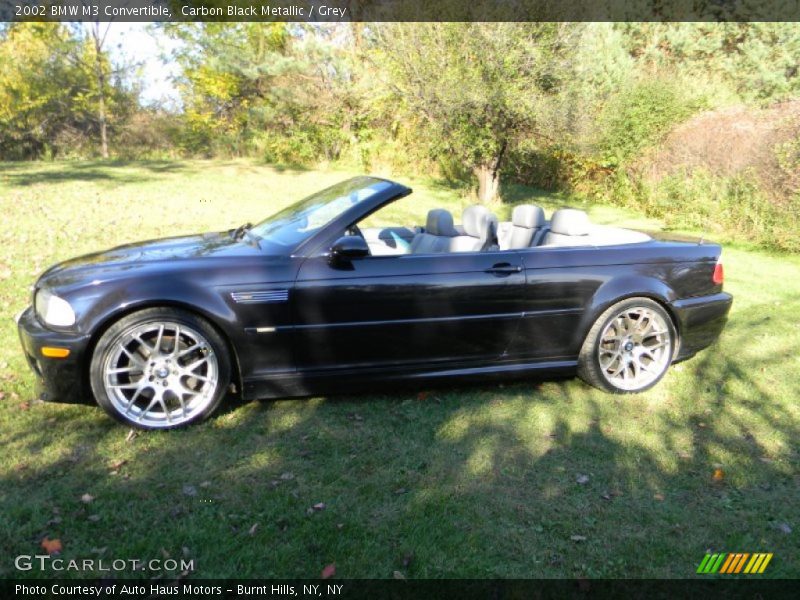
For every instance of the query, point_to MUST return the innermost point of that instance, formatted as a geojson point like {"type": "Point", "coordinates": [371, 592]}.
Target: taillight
{"type": "Point", "coordinates": [719, 273]}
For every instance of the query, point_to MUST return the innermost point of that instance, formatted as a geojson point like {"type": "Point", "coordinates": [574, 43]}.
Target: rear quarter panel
{"type": "Point", "coordinates": [568, 288]}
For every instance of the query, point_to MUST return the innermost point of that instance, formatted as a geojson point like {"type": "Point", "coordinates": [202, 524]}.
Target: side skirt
{"type": "Point", "coordinates": [337, 381]}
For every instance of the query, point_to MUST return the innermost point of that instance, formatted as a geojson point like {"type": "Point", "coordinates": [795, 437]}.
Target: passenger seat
{"type": "Point", "coordinates": [439, 232]}
{"type": "Point", "coordinates": [568, 227]}
{"type": "Point", "coordinates": [525, 229]}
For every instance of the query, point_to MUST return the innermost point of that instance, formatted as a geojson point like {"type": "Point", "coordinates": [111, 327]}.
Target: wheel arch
{"type": "Point", "coordinates": [622, 288]}
{"type": "Point", "coordinates": [111, 318]}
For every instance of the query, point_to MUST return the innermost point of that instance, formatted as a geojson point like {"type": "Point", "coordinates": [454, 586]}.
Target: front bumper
{"type": "Point", "coordinates": [700, 321]}
{"type": "Point", "coordinates": [57, 379]}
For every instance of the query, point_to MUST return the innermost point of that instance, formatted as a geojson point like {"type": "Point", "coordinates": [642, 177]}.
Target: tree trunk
{"type": "Point", "coordinates": [488, 183]}
{"type": "Point", "coordinates": [101, 89]}
{"type": "Point", "coordinates": [488, 175]}
{"type": "Point", "coordinates": [101, 115]}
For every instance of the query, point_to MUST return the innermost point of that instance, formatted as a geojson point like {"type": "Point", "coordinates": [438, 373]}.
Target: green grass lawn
{"type": "Point", "coordinates": [530, 479]}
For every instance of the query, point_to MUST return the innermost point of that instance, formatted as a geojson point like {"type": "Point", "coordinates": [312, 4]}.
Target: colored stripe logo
{"type": "Point", "coordinates": [732, 563]}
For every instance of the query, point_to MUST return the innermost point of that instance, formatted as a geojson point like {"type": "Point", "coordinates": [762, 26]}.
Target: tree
{"type": "Point", "coordinates": [231, 79]}
{"type": "Point", "coordinates": [100, 67]}
{"type": "Point", "coordinates": [757, 61]}
{"type": "Point", "coordinates": [477, 89]}
{"type": "Point", "coordinates": [56, 91]}
{"type": "Point", "coordinates": [40, 89]}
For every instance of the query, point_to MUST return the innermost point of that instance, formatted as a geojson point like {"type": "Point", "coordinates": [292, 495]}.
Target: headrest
{"type": "Point", "coordinates": [570, 221]}
{"type": "Point", "coordinates": [474, 220]}
{"type": "Point", "coordinates": [528, 216]}
{"type": "Point", "coordinates": [479, 222]}
{"type": "Point", "coordinates": [440, 222]}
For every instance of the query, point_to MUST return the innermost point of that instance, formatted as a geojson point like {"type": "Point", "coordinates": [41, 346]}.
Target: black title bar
{"type": "Point", "coordinates": [399, 10]}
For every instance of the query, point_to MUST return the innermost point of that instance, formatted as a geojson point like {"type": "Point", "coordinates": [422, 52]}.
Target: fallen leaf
{"type": "Point", "coordinates": [659, 497]}
{"type": "Point", "coordinates": [205, 484]}
{"type": "Point", "coordinates": [578, 538]}
{"type": "Point", "coordinates": [582, 479]}
{"type": "Point", "coordinates": [329, 571]}
{"type": "Point", "coordinates": [118, 464]}
{"type": "Point", "coordinates": [87, 498]}
{"type": "Point", "coordinates": [287, 476]}
{"type": "Point", "coordinates": [252, 530]}
{"type": "Point", "coordinates": [189, 490]}
{"type": "Point", "coordinates": [606, 496]}
{"type": "Point", "coordinates": [719, 475]}
{"type": "Point", "coordinates": [94, 518]}
{"type": "Point", "coordinates": [24, 405]}
{"type": "Point", "coordinates": [319, 506]}
{"type": "Point", "coordinates": [51, 546]}
{"type": "Point", "coordinates": [398, 575]}
{"type": "Point", "coordinates": [701, 425]}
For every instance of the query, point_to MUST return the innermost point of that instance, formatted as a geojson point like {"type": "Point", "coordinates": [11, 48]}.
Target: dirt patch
{"type": "Point", "coordinates": [761, 142]}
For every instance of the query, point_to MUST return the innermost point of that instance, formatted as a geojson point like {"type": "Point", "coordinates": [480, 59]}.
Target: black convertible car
{"type": "Point", "coordinates": [308, 302]}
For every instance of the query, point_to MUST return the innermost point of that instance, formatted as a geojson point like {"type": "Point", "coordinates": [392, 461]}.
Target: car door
{"type": "Point", "coordinates": [412, 309]}
{"type": "Point", "coordinates": [560, 282]}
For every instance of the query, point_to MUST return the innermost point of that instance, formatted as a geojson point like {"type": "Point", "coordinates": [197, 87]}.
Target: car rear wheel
{"type": "Point", "coordinates": [629, 348]}
{"type": "Point", "coordinates": [160, 368]}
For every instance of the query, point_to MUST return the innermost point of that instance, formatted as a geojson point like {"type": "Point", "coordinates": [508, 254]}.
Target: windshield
{"type": "Point", "coordinates": [300, 221]}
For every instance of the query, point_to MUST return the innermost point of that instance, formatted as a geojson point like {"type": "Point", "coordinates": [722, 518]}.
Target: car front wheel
{"type": "Point", "coordinates": [160, 368]}
{"type": "Point", "coordinates": [629, 348]}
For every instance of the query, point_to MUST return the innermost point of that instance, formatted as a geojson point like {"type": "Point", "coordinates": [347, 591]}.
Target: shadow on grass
{"type": "Point", "coordinates": [118, 171]}
{"type": "Point", "coordinates": [542, 480]}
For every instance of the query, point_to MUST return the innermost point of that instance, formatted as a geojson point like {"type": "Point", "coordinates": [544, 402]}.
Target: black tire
{"type": "Point", "coordinates": [159, 372]}
{"type": "Point", "coordinates": [593, 372]}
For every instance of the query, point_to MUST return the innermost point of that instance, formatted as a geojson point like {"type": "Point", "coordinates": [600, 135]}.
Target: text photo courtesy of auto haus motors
{"type": "Point", "coordinates": [399, 299]}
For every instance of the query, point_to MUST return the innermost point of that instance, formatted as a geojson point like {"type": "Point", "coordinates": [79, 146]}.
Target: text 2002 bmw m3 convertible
{"type": "Point", "coordinates": [309, 302]}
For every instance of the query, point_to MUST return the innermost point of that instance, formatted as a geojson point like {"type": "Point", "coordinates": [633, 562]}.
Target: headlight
{"type": "Point", "coordinates": [53, 310]}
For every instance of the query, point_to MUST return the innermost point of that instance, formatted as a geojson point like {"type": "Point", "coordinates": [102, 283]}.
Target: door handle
{"type": "Point", "coordinates": [504, 268]}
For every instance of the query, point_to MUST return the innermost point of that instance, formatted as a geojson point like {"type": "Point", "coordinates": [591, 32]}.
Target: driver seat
{"type": "Point", "coordinates": [438, 234]}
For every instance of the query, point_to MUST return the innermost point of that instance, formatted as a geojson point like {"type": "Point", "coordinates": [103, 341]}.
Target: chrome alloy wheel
{"type": "Point", "coordinates": [160, 374]}
{"type": "Point", "coordinates": [635, 348]}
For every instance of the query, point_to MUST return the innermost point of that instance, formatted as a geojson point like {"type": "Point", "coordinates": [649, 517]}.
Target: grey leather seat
{"type": "Point", "coordinates": [525, 229]}
{"type": "Point", "coordinates": [438, 234]}
{"type": "Point", "coordinates": [568, 227]}
{"type": "Point", "coordinates": [478, 230]}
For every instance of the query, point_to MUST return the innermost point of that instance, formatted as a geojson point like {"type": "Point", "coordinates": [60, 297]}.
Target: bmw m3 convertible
{"type": "Point", "coordinates": [312, 300]}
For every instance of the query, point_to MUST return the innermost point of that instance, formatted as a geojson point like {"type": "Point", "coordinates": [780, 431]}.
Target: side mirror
{"type": "Point", "coordinates": [348, 247]}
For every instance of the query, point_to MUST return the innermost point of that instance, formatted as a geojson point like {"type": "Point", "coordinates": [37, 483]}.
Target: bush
{"type": "Point", "coordinates": [726, 208]}
{"type": "Point", "coordinates": [637, 117]}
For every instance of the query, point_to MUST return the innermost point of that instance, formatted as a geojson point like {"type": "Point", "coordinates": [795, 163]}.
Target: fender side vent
{"type": "Point", "coordinates": [260, 297]}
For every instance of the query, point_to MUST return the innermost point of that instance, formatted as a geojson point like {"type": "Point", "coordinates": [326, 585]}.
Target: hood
{"type": "Point", "coordinates": [148, 254]}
